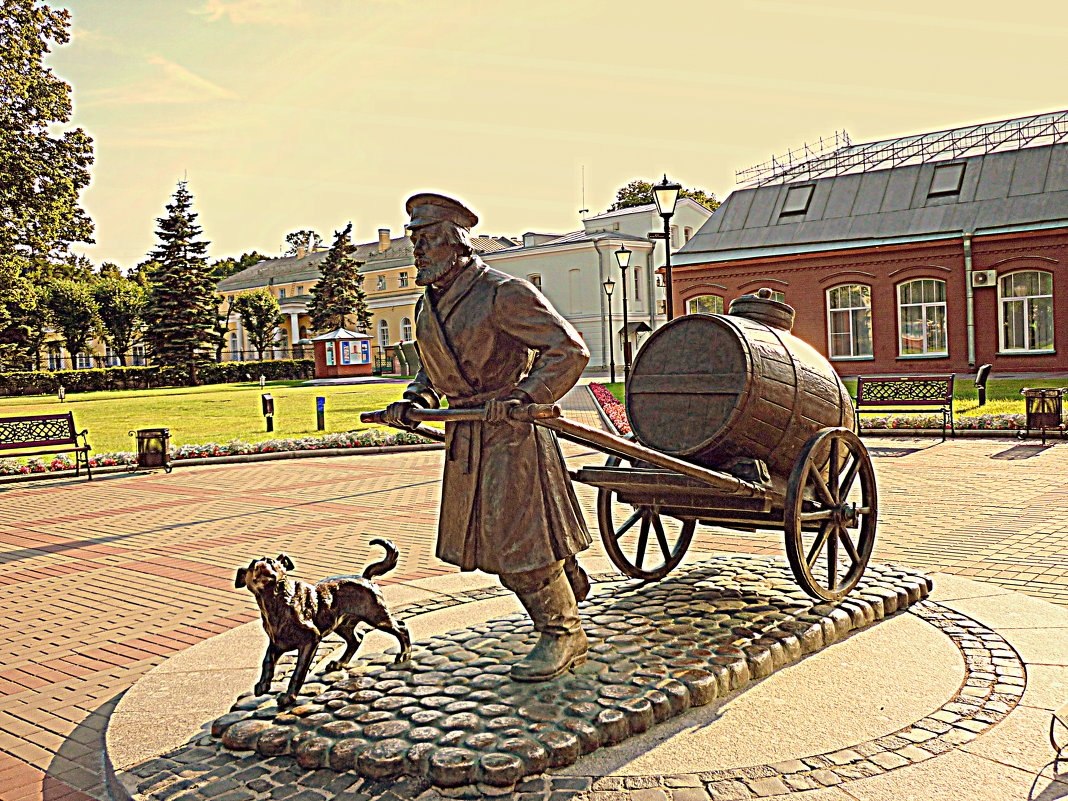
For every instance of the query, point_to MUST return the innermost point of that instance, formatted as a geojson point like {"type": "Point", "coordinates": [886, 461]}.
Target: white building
{"type": "Point", "coordinates": [571, 270]}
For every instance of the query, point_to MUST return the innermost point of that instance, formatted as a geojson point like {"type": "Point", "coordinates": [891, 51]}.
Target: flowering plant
{"type": "Point", "coordinates": [979, 422]}
{"type": "Point", "coordinates": [615, 411]}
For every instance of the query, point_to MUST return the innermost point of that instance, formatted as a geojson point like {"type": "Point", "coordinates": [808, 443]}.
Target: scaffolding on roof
{"type": "Point", "coordinates": [845, 158]}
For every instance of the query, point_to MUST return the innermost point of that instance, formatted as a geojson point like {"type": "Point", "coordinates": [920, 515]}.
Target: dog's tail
{"type": "Point", "coordinates": [387, 564]}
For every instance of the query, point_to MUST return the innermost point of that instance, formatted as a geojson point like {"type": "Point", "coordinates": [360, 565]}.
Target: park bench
{"type": "Point", "coordinates": [907, 394]}
{"type": "Point", "coordinates": [38, 434]}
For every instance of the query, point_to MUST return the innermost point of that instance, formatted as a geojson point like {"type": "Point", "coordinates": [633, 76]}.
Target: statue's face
{"type": "Point", "coordinates": [437, 252]}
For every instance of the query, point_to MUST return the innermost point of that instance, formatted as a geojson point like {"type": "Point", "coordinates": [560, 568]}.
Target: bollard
{"type": "Point", "coordinates": [320, 414]}
{"type": "Point", "coordinates": [268, 410]}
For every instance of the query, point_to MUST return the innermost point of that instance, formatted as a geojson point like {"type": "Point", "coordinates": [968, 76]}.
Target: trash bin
{"type": "Point", "coordinates": [1045, 410]}
{"type": "Point", "coordinates": [153, 448]}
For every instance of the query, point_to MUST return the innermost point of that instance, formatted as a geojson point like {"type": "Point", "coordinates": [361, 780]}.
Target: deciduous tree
{"type": "Point", "coordinates": [339, 294]}
{"type": "Point", "coordinates": [121, 304]}
{"type": "Point", "coordinates": [73, 311]}
{"type": "Point", "coordinates": [305, 239]}
{"type": "Point", "coordinates": [260, 316]}
{"type": "Point", "coordinates": [182, 301]}
{"type": "Point", "coordinates": [639, 192]}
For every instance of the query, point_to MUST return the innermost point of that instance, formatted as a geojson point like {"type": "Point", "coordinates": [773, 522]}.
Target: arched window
{"type": "Point", "coordinates": [406, 330]}
{"type": "Point", "coordinates": [1025, 308]}
{"type": "Point", "coordinates": [705, 304]}
{"type": "Point", "coordinates": [921, 314]}
{"type": "Point", "coordinates": [849, 321]}
{"type": "Point", "coordinates": [383, 334]}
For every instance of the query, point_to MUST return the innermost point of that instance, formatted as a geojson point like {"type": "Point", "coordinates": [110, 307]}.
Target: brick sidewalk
{"type": "Point", "coordinates": [105, 579]}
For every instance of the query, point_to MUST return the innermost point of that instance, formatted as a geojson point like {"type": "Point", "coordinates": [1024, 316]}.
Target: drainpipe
{"type": "Point", "coordinates": [969, 296]}
{"type": "Point", "coordinates": [604, 301]}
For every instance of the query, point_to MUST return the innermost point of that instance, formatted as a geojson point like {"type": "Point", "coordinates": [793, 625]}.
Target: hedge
{"type": "Point", "coordinates": [47, 382]}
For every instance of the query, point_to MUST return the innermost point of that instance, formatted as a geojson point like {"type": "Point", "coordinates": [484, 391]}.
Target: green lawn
{"type": "Point", "coordinates": [215, 413]}
{"type": "Point", "coordinates": [1002, 394]}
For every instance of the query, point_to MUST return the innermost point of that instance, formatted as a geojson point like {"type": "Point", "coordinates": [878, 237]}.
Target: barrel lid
{"type": "Point", "coordinates": [762, 308]}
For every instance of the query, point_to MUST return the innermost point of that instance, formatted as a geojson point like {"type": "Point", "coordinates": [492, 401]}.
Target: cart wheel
{"type": "Point", "coordinates": [625, 533]}
{"type": "Point", "coordinates": [829, 515]}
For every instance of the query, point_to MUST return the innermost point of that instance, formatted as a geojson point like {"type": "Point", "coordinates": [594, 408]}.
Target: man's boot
{"type": "Point", "coordinates": [551, 604]}
{"type": "Point", "coordinates": [577, 578]}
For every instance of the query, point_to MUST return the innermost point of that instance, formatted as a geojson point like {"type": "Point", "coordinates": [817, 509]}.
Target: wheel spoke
{"type": "Point", "coordinates": [810, 517]}
{"type": "Point", "coordinates": [661, 537]}
{"type": "Point", "coordinates": [627, 526]}
{"type": "Point", "coordinates": [817, 546]}
{"type": "Point", "coordinates": [643, 541]}
{"type": "Point", "coordinates": [832, 467]}
{"type": "Point", "coordinates": [832, 558]}
{"type": "Point", "coordinates": [851, 549]}
{"type": "Point", "coordinates": [821, 486]}
{"type": "Point", "coordinates": [846, 483]}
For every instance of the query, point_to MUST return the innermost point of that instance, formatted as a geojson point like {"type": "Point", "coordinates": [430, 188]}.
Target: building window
{"type": "Point", "coordinates": [111, 358]}
{"type": "Point", "coordinates": [406, 329]}
{"type": "Point", "coordinates": [687, 234]}
{"type": "Point", "coordinates": [638, 275]}
{"type": "Point", "coordinates": [849, 321]}
{"type": "Point", "coordinates": [281, 293]}
{"type": "Point", "coordinates": [779, 296]}
{"type": "Point", "coordinates": [674, 236]}
{"type": "Point", "coordinates": [83, 361]}
{"type": "Point", "coordinates": [300, 290]}
{"type": "Point", "coordinates": [234, 355]}
{"type": "Point", "coordinates": [705, 304]}
{"type": "Point", "coordinates": [381, 283]}
{"type": "Point", "coordinates": [383, 334]}
{"type": "Point", "coordinates": [921, 314]}
{"type": "Point", "coordinates": [138, 353]}
{"type": "Point", "coordinates": [797, 200]}
{"type": "Point", "coordinates": [402, 279]}
{"type": "Point", "coordinates": [946, 180]}
{"type": "Point", "coordinates": [535, 279]}
{"type": "Point", "coordinates": [1026, 310]}
{"type": "Point", "coordinates": [330, 354]}
{"type": "Point", "coordinates": [55, 359]}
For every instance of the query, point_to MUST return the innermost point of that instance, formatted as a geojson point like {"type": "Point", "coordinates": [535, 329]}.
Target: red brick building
{"type": "Point", "coordinates": [926, 254]}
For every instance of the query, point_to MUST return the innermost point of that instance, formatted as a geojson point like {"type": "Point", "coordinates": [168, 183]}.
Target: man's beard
{"type": "Point", "coordinates": [432, 273]}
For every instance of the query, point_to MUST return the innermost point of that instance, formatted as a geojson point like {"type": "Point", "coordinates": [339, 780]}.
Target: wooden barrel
{"type": "Point", "coordinates": [712, 388]}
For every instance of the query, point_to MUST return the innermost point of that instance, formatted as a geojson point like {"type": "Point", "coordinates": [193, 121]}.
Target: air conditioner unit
{"type": "Point", "coordinates": [984, 278]}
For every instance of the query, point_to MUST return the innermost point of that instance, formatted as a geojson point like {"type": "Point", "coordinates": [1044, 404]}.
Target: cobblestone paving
{"type": "Point", "coordinates": [103, 580]}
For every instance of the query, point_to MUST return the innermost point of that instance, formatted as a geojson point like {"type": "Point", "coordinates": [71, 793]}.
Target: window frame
{"type": "Point", "coordinates": [383, 328]}
{"type": "Point", "coordinates": [406, 330]}
{"type": "Point", "coordinates": [798, 199]}
{"type": "Point", "coordinates": [923, 306]}
{"type": "Point", "coordinates": [380, 285]}
{"type": "Point", "coordinates": [1026, 302]}
{"type": "Point", "coordinates": [696, 298]}
{"type": "Point", "coordinates": [854, 356]}
{"type": "Point", "coordinates": [402, 279]}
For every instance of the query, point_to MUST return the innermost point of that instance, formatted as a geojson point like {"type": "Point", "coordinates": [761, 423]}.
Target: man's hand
{"type": "Point", "coordinates": [397, 414]}
{"type": "Point", "coordinates": [497, 411]}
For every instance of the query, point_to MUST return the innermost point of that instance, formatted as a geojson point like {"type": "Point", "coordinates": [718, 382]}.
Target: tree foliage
{"type": "Point", "coordinates": [305, 239]}
{"type": "Point", "coordinates": [23, 316]}
{"type": "Point", "coordinates": [639, 192]}
{"type": "Point", "coordinates": [224, 268]}
{"type": "Point", "coordinates": [121, 304]}
{"type": "Point", "coordinates": [339, 294]}
{"type": "Point", "coordinates": [182, 302]}
{"type": "Point", "coordinates": [260, 316]}
{"type": "Point", "coordinates": [42, 168]}
{"type": "Point", "coordinates": [73, 311]}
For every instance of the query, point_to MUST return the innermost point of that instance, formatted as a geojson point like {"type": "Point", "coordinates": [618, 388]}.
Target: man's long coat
{"type": "Point", "coordinates": [507, 503]}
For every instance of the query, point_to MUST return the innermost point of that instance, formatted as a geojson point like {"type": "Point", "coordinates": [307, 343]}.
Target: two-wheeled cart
{"type": "Point", "coordinates": [736, 424]}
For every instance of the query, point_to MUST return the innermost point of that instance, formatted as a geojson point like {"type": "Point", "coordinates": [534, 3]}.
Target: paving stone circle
{"type": "Point", "coordinates": [994, 681]}
{"type": "Point", "coordinates": [451, 716]}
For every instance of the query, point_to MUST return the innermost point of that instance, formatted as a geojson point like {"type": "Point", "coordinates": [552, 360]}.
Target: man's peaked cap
{"type": "Point", "coordinates": [427, 208]}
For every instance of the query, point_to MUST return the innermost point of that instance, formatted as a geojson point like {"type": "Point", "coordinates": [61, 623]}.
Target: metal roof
{"type": "Point", "coordinates": [1026, 187]}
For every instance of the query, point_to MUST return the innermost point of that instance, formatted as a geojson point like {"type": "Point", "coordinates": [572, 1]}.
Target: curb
{"type": "Point", "coordinates": [240, 458]}
{"type": "Point", "coordinates": [989, 433]}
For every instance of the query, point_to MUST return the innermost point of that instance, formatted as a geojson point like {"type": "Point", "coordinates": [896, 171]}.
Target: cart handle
{"type": "Point", "coordinates": [524, 413]}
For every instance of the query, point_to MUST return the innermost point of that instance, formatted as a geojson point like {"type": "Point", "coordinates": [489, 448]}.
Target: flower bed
{"type": "Point", "coordinates": [617, 413]}
{"type": "Point", "coordinates": [348, 439]}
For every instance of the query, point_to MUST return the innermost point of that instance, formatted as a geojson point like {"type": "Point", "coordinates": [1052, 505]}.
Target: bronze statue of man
{"type": "Point", "coordinates": [507, 504]}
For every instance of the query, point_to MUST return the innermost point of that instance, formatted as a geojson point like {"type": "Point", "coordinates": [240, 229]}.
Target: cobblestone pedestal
{"type": "Point", "coordinates": [452, 718]}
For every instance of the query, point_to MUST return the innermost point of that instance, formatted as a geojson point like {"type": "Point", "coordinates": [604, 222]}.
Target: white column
{"type": "Point", "coordinates": [240, 356]}
{"type": "Point", "coordinates": [294, 328]}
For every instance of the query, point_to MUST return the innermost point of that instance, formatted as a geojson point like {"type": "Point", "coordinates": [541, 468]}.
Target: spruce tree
{"type": "Point", "coordinates": [339, 293]}
{"type": "Point", "coordinates": [182, 302]}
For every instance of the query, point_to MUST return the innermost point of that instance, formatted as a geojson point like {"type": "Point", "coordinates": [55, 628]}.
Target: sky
{"type": "Point", "coordinates": [290, 114]}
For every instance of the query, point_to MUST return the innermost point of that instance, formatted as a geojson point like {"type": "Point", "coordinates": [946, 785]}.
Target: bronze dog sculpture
{"type": "Point", "coordinates": [297, 615]}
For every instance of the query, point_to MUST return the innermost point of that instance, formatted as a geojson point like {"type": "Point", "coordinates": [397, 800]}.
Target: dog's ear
{"type": "Point", "coordinates": [239, 582]}
{"type": "Point", "coordinates": [285, 561]}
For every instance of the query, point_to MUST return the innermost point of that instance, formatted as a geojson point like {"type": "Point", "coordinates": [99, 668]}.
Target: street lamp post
{"type": "Point", "coordinates": [666, 196]}
{"type": "Point", "coordinates": [609, 287]}
{"type": "Point", "coordinates": [623, 260]}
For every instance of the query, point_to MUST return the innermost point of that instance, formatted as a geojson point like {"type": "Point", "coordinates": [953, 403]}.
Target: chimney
{"type": "Point", "coordinates": [383, 240]}
{"type": "Point", "coordinates": [301, 252]}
